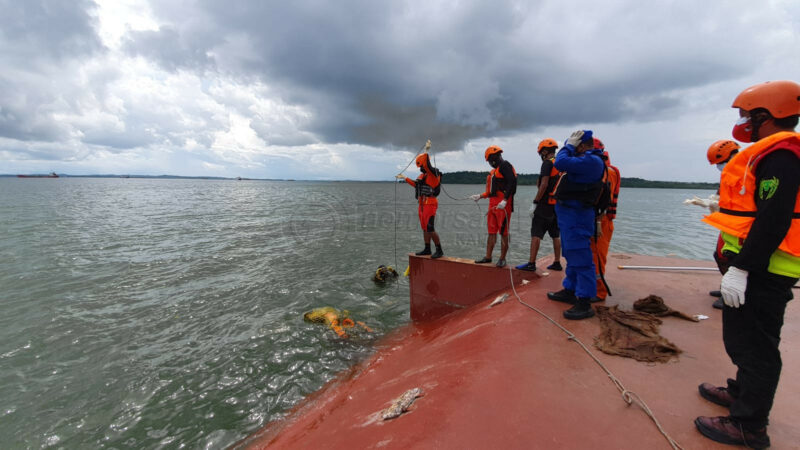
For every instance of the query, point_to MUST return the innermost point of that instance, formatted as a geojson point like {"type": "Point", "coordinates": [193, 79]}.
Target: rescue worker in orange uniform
{"type": "Point", "coordinates": [543, 217]}
{"type": "Point", "coordinates": [719, 153]}
{"type": "Point", "coordinates": [605, 225]}
{"type": "Point", "coordinates": [501, 185]}
{"type": "Point", "coordinates": [759, 219]}
{"type": "Point", "coordinates": [426, 189]}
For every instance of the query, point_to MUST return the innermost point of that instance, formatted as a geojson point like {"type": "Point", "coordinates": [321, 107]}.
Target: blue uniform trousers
{"type": "Point", "coordinates": [577, 228]}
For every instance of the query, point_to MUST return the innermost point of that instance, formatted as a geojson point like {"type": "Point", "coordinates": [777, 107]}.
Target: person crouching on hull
{"type": "Point", "coordinates": [576, 193]}
{"type": "Point", "coordinates": [501, 185]}
{"type": "Point", "coordinates": [426, 189]}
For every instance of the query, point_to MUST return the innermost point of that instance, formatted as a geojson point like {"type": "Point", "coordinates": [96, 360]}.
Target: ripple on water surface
{"type": "Point", "coordinates": [168, 313]}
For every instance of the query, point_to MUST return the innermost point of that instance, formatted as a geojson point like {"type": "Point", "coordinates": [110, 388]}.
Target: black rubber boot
{"type": "Point", "coordinates": [555, 266]}
{"type": "Point", "coordinates": [563, 295]}
{"type": "Point", "coordinates": [425, 251]}
{"type": "Point", "coordinates": [580, 310]}
{"type": "Point", "coordinates": [438, 253]}
{"type": "Point", "coordinates": [717, 294]}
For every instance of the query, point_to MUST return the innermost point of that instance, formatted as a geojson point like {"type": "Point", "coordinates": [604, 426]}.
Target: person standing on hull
{"type": "Point", "coordinates": [605, 225]}
{"type": "Point", "coordinates": [719, 153]}
{"type": "Point", "coordinates": [501, 185]}
{"type": "Point", "coordinates": [759, 220]}
{"type": "Point", "coordinates": [544, 214]}
{"type": "Point", "coordinates": [576, 194]}
{"type": "Point", "coordinates": [426, 189]}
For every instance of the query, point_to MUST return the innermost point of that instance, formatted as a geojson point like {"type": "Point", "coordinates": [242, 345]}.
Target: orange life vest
{"type": "Point", "coordinates": [737, 191]}
{"type": "Point", "coordinates": [552, 183]}
{"type": "Point", "coordinates": [495, 183]}
{"type": "Point", "coordinates": [614, 179]}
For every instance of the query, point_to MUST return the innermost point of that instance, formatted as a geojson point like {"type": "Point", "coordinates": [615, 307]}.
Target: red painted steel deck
{"type": "Point", "coordinates": [505, 377]}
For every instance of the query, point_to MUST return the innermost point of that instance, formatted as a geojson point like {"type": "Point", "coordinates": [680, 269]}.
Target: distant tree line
{"type": "Point", "coordinates": [466, 177]}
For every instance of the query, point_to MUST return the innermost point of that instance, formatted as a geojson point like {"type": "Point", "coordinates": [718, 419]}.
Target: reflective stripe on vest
{"type": "Point", "coordinates": [738, 208]}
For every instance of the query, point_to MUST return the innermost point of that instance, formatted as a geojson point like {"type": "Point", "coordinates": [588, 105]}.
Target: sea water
{"type": "Point", "coordinates": [153, 313]}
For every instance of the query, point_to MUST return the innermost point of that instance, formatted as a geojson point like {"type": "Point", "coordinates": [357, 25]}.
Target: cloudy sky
{"type": "Point", "coordinates": [351, 89]}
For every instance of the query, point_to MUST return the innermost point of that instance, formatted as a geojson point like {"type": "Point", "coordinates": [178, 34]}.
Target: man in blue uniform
{"type": "Point", "coordinates": [576, 195]}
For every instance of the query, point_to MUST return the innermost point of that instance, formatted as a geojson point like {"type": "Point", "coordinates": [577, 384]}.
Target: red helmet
{"type": "Point", "coordinates": [492, 150]}
{"type": "Point", "coordinates": [780, 98]}
{"type": "Point", "coordinates": [547, 143]}
{"type": "Point", "coordinates": [721, 151]}
{"type": "Point", "coordinates": [423, 160]}
{"type": "Point", "coordinates": [598, 144]}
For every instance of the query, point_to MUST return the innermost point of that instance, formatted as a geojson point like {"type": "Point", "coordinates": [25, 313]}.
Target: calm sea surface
{"type": "Point", "coordinates": [168, 313]}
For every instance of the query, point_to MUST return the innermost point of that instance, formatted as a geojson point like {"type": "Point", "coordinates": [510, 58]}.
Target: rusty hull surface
{"type": "Point", "coordinates": [506, 377]}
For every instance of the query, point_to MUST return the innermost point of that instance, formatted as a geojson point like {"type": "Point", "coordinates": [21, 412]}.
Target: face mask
{"type": "Point", "coordinates": [743, 130]}
{"type": "Point", "coordinates": [721, 166]}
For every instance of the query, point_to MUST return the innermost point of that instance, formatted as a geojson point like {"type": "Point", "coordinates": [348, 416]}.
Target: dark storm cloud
{"type": "Point", "coordinates": [391, 74]}
{"type": "Point", "coordinates": [37, 39]}
{"type": "Point", "coordinates": [57, 28]}
{"type": "Point", "coordinates": [169, 48]}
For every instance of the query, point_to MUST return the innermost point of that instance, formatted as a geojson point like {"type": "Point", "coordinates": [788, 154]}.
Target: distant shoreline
{"type": "Point", "coordinates": [464, 177]}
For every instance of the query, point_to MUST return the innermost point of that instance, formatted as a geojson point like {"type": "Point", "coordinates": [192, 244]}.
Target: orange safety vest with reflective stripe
{"type": "Point", "coordinates": [737, 206]}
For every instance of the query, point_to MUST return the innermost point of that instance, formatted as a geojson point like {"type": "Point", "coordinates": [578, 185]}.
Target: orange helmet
{"type": "Point", "coordinates": [598, 144]}
{"type": "Point", "coordinates": [780, 98]}
{"type": "Point", "coordinates": [492, 150]}
{"type": "Point", "coordinates": [547, 143]}
{"type": "Point", "coordinates": [721, 151]}
{"type": "Point", "coordinates": [423, 160]}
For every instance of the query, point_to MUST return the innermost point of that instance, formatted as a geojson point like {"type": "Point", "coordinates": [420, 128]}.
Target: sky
{"type": "Point", "coordinates": [352, 89]}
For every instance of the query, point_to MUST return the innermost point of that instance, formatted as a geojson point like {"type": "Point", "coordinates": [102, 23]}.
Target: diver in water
{"type": "Point", "coordinates": [501, 185]}
{"type": "Point", "coordinates": [426, 189]}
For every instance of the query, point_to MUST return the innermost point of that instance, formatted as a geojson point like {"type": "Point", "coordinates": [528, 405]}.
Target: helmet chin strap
{"type": "Point", "coordinates": [756, 122]}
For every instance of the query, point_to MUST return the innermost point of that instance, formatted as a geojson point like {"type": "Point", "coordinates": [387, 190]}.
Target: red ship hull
{"type": "Point", "coordinates": [508, 377]}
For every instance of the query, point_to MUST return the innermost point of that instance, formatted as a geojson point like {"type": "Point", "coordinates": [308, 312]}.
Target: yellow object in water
{"type": "Point", "coordinates": [336, 320]}
{"type": "Point", "coordinates": [407, 272]}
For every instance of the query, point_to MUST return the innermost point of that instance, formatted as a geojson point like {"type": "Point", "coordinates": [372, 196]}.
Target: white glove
{"type": "Point", "coordinates": [501, 205]}
{"type": "Point", "coordinates": [575, 138]}
{"type": "Point", "coordinates": [733, 286]}
{"type": "Point", "coordinates": [713, 203]}
{"type": "Point", "coordinates": [695, 200]}
{"type": "Point", "coordinates": [475, 197]}
{"type": "Point", "coordinates": [400, 176]}
{"type": "Point", "coordinates": [533, 208]}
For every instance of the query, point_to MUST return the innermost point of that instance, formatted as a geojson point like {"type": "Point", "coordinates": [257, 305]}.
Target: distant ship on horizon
{"type": "Point", "coordinates": [49, 175]}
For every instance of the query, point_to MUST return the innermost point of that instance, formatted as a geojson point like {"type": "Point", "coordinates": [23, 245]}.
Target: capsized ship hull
{"type": "Point", "coordinates": [508, 377]}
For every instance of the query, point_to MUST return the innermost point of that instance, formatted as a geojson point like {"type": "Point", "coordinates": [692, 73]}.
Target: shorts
{"type": "Point", "coordinates": [427, 216]}
{"type": "Point", "coordinates": [498, 221]}
{"type": "Point", "coordinates": [541, 223]}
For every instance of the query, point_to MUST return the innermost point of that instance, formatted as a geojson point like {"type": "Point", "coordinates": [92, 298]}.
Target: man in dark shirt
{"type": "Point", "coordinates": [759, 220]}
{"type": "Point", "coordinates": [501, 185]}
{"type": "Point", "coordinates": [544, 214]}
